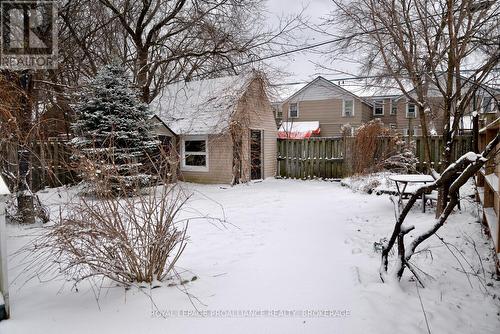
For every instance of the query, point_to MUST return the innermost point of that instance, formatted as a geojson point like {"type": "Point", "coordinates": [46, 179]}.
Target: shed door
{"type": "Point", "coordinates": [256, 154]}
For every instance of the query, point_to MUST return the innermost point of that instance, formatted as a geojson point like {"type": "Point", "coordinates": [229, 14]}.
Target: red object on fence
{"type": "Point", "coordinates": [298, 130]}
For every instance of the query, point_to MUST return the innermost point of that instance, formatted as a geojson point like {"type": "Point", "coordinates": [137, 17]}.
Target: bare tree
{"type": "Point", "coordinates": [446, 49]}
{"type": "Point", "coordinates": [165, 41]}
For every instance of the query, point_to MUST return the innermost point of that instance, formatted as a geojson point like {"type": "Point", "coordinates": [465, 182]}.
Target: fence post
{"type": "Point", "coordinates": [4, 281]}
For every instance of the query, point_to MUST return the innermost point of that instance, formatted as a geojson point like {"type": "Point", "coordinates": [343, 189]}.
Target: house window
{"type": "Point", "coordinates": [195, 154]}
{"type": "Point", "coordinates": [348, 108]}
{"type": "Point", "coordinates": [278, 113]}
{"type": "Point", "coordinates": [487, 104]}
{"type": "Point", "coordinates": [293, 110]}
{"type": "Point", "coordinates": [378, 107]}
{"type": "Point", "coordinates": [392, 126]}
{"type": "Point", "coordinates": [405, 132]}
{"type": "Point", "coordinates": [394, 107]}
{"type": "Point", "coordinates": [411, 111]}
{"type": "Point", "coordinates": [416, 131]}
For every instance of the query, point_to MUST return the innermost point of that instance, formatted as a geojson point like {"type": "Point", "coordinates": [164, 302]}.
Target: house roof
{"type": "Point", "coordinates": [327, 83]}
{"type": "Point", "coordinates": [366, 89]}
{"type": "Point", "coordinates": [201, 107]}
{"type": "Point", "coordinates": [298, 130]}
{"type": "Point", "coordinates": [280, 92]}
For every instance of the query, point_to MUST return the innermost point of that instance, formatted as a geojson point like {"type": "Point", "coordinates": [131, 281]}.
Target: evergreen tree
{"type": "Point", "coordinates": [112, 127]}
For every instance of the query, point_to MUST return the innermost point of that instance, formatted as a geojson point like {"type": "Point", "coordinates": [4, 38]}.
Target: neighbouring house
{"type": "Point", "coordinates": [328, 104]}
{"type": "Point", "coordinates": [335, 104]}
{"type": "Point", "coordinates": [224, 128]}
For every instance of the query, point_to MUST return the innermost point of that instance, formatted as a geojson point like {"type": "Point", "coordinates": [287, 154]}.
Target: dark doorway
{"type": "Point", "coordinates": [256, 154]}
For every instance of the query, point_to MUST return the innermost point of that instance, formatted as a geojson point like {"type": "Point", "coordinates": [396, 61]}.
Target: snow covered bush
{"type": "Point", "coordinates": [403, 161]}
{"type": "Point", "coordinates": [129, 240]}
{"type": "Point", "coordinates": [113, 135]}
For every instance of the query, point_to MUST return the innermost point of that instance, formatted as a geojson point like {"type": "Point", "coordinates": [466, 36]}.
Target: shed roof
{"type": "Point", "coordinates": [201, 107]}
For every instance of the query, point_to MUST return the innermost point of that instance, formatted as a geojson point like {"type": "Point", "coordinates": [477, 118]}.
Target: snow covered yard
{"type": "Point", "coordinates": [285, 245]}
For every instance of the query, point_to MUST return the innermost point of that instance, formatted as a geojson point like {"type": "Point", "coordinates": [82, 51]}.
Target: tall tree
{"type": "Point", "coordinates": [446, 48]}
{"type": "Point", "coordinates": [161, 41]}
{"type": "Point", "coordinates": [112, 128]}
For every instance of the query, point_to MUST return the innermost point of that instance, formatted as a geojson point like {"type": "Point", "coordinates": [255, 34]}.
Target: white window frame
{"type": "Point", "coordinates": [289, 110]}
{"type": "Point", "coordinates": [343, 107]}
{"type": "Point", "coordinates": [417, 131]}
{"type": "Point", "coordinates": [279, 113]}
{"type": "Point", "coordinates": [404, 132]}
{"type": "Point", "coordinates": [183, 154]}
{"type": "Point", "coordinates": [379, 102]}
{"type": "Point", "coordinates": [394, 106]}
{"type": "Point", "coordinates": [415, 109]}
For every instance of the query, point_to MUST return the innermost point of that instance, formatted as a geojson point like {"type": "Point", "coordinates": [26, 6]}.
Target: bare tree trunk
{"type": "Point", "coordinates": [24, 195]}
{"type": "Point", "coordinates": [425, 136]}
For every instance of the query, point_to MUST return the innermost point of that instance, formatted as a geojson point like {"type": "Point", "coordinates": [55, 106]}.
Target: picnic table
{"type": "Point", "coordinates": [402, 181]}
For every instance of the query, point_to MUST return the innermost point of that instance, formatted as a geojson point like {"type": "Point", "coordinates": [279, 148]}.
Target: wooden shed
{"type": "Point", "coordinates": [225, 128]}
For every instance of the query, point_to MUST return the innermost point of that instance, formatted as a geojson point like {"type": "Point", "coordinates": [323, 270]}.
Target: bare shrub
{"type": "Point", "coordinates": [127, 239]}
{"type": "Point", "coordinates": [367, 150]}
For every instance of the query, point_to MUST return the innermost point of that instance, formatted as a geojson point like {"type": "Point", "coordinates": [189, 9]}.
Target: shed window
{"type": "Point", "coordinates": [195, 154]}
{"type": "Point", "coordinates": [293, 110]}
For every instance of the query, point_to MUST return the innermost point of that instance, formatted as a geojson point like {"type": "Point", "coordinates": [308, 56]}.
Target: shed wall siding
{"type": "Point", "coordinates": [220, 159]}
{"type": "Point", "coordinates": [254, 110]}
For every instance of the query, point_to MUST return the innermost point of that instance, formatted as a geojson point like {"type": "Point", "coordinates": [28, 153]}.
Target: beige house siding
{"type": "Point", "coordinates": [329, 114]}
{"type": "Point", "coordinates": [404, 122]}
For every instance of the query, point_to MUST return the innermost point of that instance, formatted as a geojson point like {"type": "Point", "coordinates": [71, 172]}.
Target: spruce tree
{"type": "Point", "coordinates": [112, 127]}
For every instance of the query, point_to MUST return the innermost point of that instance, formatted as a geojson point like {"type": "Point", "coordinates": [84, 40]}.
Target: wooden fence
{"type": "Point", "coordinates": [330, 158]}
{"type": "Point", "coordinates": [49, 165]}
{"type": "Point", "coordinates": [311, 158]}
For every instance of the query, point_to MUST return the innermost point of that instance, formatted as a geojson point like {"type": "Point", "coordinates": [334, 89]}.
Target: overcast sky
{"type": "Point", "coordinates": [301, 65]}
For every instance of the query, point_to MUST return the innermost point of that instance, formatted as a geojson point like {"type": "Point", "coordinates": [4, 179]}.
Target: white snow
{"type": "Point", "coordinates": [471, 156]}
{"type": "Point", "coordinates": [4, 190]}
{"type": "Point", "coordinates": [299, 127]}
{"type": "Point", "coordinates": [412, 178]}
{"type": "Point", "coordinates": [289, 257]}
{"type": "Point", "coordinates": [200, 107]}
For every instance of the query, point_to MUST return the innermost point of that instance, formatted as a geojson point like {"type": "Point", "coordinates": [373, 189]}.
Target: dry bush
{"type": "Point", "coordinates": [367, 150]}
{"type": "Point", "coordinates": [129, 239]}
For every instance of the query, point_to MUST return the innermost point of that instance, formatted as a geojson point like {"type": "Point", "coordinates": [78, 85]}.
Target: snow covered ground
{"type": "Point", "coordinates": [286, 246]}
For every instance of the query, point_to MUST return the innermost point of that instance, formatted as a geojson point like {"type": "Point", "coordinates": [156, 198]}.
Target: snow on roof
{"type": "Point", "coordinates": [299, 126]}
{"type": "Point", "coordinates": [364, 88]}
{"type": "Point", "coordinates": [201, 107]}
{"type": "Point", "coordinates": [281, 92]}
{"type": "Point", "coordinates": [298, 130]}
{"type": "Point", "coordinates": [360, 88]}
